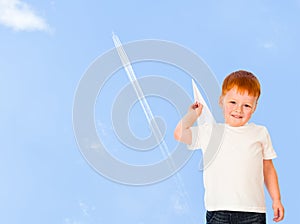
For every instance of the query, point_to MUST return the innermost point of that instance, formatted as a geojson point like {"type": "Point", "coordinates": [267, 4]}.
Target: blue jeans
{"type": "Point", "coordinates": [231, 217]}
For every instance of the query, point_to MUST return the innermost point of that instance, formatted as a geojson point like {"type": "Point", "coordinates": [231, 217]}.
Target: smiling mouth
{"type": "Point", "coordinates": [237, 116]}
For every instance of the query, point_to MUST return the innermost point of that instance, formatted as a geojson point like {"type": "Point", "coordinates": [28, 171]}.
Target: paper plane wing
{"type": "Point", "coordinates": [206, 116]}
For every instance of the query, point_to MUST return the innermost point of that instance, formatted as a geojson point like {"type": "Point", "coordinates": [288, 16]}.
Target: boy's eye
{"type": "Point", "coordinates": [232, 102]}
{"type": "Point", "coordinates": [247, 106]}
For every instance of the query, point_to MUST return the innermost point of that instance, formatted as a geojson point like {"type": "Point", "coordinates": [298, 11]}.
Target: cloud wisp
{"type": "Point", "coordinates": [19, 16]}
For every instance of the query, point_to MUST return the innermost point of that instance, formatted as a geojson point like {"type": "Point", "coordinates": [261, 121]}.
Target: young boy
{"type": "Point", "coordinates": [234, 179]}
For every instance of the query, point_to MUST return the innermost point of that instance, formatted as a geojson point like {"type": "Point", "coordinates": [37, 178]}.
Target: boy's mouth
{"type": "Point", "coordinates": [237, 116]}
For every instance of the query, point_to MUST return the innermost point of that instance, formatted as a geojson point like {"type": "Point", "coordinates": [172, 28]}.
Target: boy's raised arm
{"type": "Point", "coordinates": [182, 132]}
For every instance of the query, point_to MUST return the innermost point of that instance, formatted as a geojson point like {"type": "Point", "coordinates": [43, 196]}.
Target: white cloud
{"type": "Point", "coordinates": [95, 146]}
{"type": "Point", "coordinates": [86, 209]}
{"type": "Point", "coordinates": [19, 16]}
{"type": "Point", "coordinates": [180, 204]}
{"type": "Point", "coordinates": [85, 214]}
{"type": "Point", "coordinates": [104, 130]}
{"type": "Point", "coordinates": [268, 45]}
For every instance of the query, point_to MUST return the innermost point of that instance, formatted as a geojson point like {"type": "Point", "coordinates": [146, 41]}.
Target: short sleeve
{"type": "Point", "coordinates": [268, 150]}
{"type": "Point", "coordinates": [200, 136]}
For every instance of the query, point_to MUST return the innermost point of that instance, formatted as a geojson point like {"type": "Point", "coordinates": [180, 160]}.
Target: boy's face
{"type": "Point", "coordinates": [237, 107]}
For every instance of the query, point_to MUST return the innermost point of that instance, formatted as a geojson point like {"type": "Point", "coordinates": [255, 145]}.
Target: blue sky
{"type": "Point", "coordinates": [46, 47]}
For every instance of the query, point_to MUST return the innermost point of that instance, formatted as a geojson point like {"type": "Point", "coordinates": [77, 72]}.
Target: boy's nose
{"type": "Point", "coordinates": [238, 108]}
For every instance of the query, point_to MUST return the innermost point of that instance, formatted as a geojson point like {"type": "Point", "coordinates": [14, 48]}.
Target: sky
{"type": "Point", "coordinates": [47, 48]}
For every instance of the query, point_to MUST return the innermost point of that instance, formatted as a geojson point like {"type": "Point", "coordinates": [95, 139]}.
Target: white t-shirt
{"type": "Point", "coordinates": [233, 177]}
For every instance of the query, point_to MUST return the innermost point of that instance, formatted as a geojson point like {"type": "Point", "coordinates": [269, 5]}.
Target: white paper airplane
{"type": "Point", "coordinates": [206, 115]}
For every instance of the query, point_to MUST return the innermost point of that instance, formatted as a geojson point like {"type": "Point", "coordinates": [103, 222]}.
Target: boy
{"type": "Point", "coordinates": [234, 178]}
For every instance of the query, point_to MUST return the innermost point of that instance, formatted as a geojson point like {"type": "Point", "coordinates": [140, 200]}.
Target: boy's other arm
{"type": "Point", "coordinates": [182, 132]}
{"type": "Point", "coordinates": [271, 182]}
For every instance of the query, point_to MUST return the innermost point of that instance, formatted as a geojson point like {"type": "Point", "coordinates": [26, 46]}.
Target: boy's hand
{"type": "Point", "coordinates": [182, 131]}
{"type": "Point", "coordinates": [278, 211]}
{"type": "Point", "coordinates": [197, 107]}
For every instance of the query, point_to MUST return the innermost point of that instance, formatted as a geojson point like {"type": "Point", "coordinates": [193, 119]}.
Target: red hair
{"type": "Point", "coordinates": [243, 81]}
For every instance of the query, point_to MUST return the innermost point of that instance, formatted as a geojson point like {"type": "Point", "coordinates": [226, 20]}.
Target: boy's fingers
{"type": "Point", "coordinates": [281, 214]}
{"type": "Point", "coordinates": [196, 105]}
{"type": "Point", "coordinates": [278, 214]}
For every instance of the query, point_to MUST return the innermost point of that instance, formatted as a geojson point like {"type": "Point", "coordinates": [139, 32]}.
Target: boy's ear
{"type": "Point", "coordinates": [221, 99]}
{"type": "Point", "coordinates": [255, 105]}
